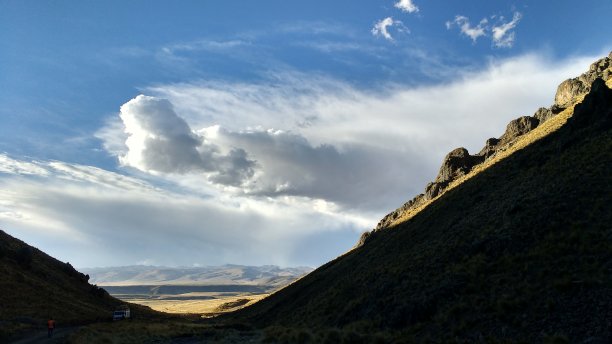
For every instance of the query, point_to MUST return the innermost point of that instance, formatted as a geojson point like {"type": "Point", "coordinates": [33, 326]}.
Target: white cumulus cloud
{"type": "Point", "coordinates": [406, 6]}
{"type": "Point", "coordinates": [161, 141]}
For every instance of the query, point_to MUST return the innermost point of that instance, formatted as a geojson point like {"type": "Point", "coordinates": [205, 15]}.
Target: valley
{"type": "Point", "coordinates": [206, 291]}
{"type": "Point", "coordinates": [509, 245]}
{"type": "Point", "coordinates": [206, 300]}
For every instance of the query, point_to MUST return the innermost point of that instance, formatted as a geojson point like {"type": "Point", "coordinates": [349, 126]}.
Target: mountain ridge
{"type": "Point", "coordinates": [520, 251]}
{"type": "Point", "coordinates": [35, 286]}
{"type": "Point", "coordinates": [458, 164]}
{"type": "Point", "coordinates": [270, 275]}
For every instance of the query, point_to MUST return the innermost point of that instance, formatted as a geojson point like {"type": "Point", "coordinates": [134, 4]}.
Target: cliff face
{"type": "Point", "coordinates": [458, 163]}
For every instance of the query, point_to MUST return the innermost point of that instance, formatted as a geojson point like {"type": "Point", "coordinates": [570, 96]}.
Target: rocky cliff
{"type": "Point", "coordinates": [458, 163]}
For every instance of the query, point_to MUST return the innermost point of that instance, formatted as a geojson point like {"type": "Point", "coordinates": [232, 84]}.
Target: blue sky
{"type": "Point", "coordinates": [269, 131]}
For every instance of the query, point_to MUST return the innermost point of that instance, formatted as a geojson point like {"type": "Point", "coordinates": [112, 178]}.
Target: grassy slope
{"type": "Point", "coordinates": [523, 250]}
{"type": "Point", "coordinates": [35, 286]}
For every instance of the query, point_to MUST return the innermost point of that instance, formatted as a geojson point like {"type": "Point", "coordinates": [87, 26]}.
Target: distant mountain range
{"type": "Point", "coordinates": [268, 275]}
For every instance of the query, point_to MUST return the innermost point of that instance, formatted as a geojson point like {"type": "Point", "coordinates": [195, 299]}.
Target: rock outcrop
{"type": "Point", "coordinates": [543, 114]}
{"type": "Point", "coordinates": [570, 89]}
{"type": "Point", "coordinates": [596, 108]}
{"type": "Point", "coordinates": [459, 162]}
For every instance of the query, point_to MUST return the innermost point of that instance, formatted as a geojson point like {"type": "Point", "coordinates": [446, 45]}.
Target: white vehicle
{"type": "Point", "coordinates": [121, 313]}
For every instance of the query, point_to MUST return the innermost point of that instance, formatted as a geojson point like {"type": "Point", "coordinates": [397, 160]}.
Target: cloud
{"type": "Point", "coordinates": [466, 28]}
{"type": "Point", "coordinates": [327, 46]}
{"type": "Point", "coordinates": [330, 160]}
{"type": "Point", "coordinates": [11, 166]}
{"type": "Point", "coordinates": [406, 6]}
{"type": "Point", "coordinates": [259, 162]}
{"type": "Point", "coordinates": [160, 141]}
{"type": "Point", "coordinates": [80, 209]}
{"type": "Point", "coordinates": [381, 28]}
{"type": "Point", "coordinates": [205, 45]}
{"type": "Point", "coordinates": [320, 138]}
{"type": "Point", "coordinates": [501, 33]}
{"type": "Point", "coordinates": [503, 36]}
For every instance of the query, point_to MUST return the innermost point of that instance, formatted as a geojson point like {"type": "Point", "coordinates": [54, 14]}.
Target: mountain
{"type": "Point", "coordinates": [35, 286]}
{"type": "Point", "coordinates": [268, 275]}
{"type": "Point", "coordinates": [513, 244]}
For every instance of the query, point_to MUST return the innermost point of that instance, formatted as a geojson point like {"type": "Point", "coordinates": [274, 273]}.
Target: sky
{"type": "Point", "coordinates": [200, 133]}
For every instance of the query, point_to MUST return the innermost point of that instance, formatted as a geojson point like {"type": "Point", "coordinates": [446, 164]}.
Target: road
{"type": "Point", "coordinates": [59, 335]}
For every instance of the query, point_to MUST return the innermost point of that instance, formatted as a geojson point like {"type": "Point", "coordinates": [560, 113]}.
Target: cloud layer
{"type": "Point", "coordinates": [79, 209]}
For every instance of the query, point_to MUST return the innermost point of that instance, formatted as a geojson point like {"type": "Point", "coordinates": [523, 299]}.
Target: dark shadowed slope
{"type": "Point", "coordinates": [35, 286]}
{"type": "Point", "coordinates": [521, 251]}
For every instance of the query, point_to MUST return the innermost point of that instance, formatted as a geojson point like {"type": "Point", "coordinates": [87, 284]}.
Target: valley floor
{"type": "Point", "coordinates": [205, 307]}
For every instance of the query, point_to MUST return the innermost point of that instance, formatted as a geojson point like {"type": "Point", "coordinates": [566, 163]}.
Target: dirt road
{"type": "Point", "coordinates": [59, 336]}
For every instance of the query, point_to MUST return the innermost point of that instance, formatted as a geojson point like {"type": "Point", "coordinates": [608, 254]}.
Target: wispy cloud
{"type": "Point", "coordinates": [406, 6]}
{"type": "Point", "coordinates": [466, 28]}
{"type": "Point", "coordinates": [501, 33]}
{"type": "Point", "coordinates": [382, 27]}
{"type": "Point", "coordinates": [503, 36]}
{"type": "Point", "coordinates": [206, 45]}
{"type": "Point", "coordinates": [328, 46]}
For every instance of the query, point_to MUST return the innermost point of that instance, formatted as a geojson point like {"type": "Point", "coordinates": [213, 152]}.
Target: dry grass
{"type": "Point", "coordinates": [208, 307]}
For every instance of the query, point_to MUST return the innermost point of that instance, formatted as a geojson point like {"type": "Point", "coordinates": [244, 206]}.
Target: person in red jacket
{"type": "Point", "coordinates": [50, 326]}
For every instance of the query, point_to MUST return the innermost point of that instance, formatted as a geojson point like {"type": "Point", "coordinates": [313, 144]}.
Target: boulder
{"type": "Point", "coordinates": [518, 127]}
{"type": "Point", "coordinates": [568, 90]}
{"type": "Point", "coordinates": [432, 190]}
{"type": "Point", "coordinates": [457, 163]}
{"type": "Point", "coordinates": [543, 114]}
{"type": "Point", "coordinates": [600, 66]}
{"type": "Point", "coordinates": [595, 108]}
{"type": "Point", "coordinates": [490, 148]}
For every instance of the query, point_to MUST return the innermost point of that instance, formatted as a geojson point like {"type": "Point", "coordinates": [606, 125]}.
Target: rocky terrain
{"type": "Point", "coordinates": [458, 163]}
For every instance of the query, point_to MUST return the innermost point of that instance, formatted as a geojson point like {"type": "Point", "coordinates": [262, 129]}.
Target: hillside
{"type": "Point", "coordinates": [513, 244]}
{"type": "Point", "coordinates": [268, 276]}
{"type": "Point", "coordinates": [35, 286]}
